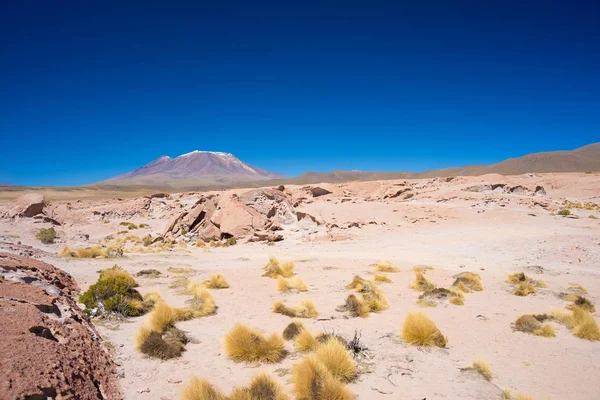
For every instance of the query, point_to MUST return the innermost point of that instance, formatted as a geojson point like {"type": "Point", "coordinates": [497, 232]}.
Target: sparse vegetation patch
{"type": "Point", "coordinates": [243, 344]}
{"type": "Point", "coordinates": [419, 330]}
{"type": "Point", "coordinates": [46, 235]}
{"type": "Point", "coordinates": [306, 309]}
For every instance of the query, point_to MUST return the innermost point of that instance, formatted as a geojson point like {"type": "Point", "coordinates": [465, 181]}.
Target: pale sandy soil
{"type": "Point", "coordinates": [444, 227]}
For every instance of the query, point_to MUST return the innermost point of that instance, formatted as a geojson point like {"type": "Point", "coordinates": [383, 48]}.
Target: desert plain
{"type": "Point", "coordinates": [489, 225]}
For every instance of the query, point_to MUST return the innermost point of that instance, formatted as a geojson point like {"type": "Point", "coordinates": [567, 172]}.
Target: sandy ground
{"type": "Point", "coordinates": [444, 227]}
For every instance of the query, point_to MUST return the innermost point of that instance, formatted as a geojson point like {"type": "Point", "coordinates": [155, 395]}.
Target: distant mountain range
{"type": "Point", "coordinates": [204, 170]}
{"type": "Point", "coordinates": [194, 169]}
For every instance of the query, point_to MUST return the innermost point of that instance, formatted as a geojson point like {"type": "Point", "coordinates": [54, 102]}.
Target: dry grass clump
{"type": "Point", "coordinates": [357, 283]}
{"type": "Point", "coordinates": [292, 330]}
{"type": "Point", "coordinates": [421, 283]}
{"type": "Point", "coordinates": [370, 298]}
{"type": "Point", "coordinates": [575, 287]}
{"type": "Point", "coordinates": [468, 281]}
{"type": "Point", "coordinates": [243, 344]}
{"type": "Point", "coordinates": [66, 252]}
{"type": "Point", "coordinates": [291, 284]}
{"type": "Point", "coordinates": [164, 345]}
{"type": "Point", "coordinates": [334, 356]}
{"type": "Point", "coordinates": [200, 243]}
{"type": "Point", "coordinates": [181, 271]}
{"type": "Point", "coordinates": [313, 381]}
{"type": "Point", "coordinates": [217, 282]}
{"type": "Point", "coordinates": [419, 330]}
{"type": "Point", "coordinates": [275, 269]}
{"type": "Point", "coordinates": [382, 278]}
{"type": "Point", "coordinates": [306, 309]}
{"type": "Point", "coordinates": [149, 273]}
{"type": "Point", "coordinates": [524, 289]}
{"type": "Point", "coordinates": [581, 323]}
{"type": "Point", "coordinates": [201, 304]}
{"type": "Point", "coordinates": [162, 317]}
{"type": "Point", "coordinates": [483, 369]}
{"type": "Point", "coordinates": [422, 268]}
{"type": "Point", "coordinates": [201, 389]}
{"type": "Point", "coordinates": [457, 300]}
{"type": "Point", "coordinates": [578, 301]}
{"type": "Point", "coordinates": [426, 303]}
{"type": "Point", "coordinates": [384, 266]}
{"type": "Point", "coordinates": [90, 252]}
{"type": "Point", "coordinates": [305, 341]}
{"type": "Point", "coordinates": [532, 324]}
{"type": "Point", "coordinates": [524, 284]}
{"type": "Point", "coordinates": [262, 387]}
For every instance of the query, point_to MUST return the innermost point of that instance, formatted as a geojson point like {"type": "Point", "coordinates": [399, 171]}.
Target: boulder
{"type": "Point", "coordinates": [49, 348]}
{"type": "Point", "coordinates": [209, 232]}
{"type": "Point", "coordinates": [271, 203]}
{"type": "Point", "coordinates": [27, 205]}
{"type": "Point", "coordinates": [234, 218]}
{"type": "Point", "coordinates": [319, 191]}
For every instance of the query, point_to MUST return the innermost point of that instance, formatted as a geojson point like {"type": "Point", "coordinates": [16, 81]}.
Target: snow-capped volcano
{"type": "Point", "coordinates": [196, 168]}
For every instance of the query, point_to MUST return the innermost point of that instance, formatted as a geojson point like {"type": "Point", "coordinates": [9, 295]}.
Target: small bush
{"type": "Point", "coordinates": [129, 225]}
{"type": "Point", "coordinates": [217, 282]}
{"type": "Point", "coordinates": [524, 289]}
{"type": "Point", "coordinates": [294, 283]}
{"type": "Point", "coordinates": [46, 235]}
{"type": "Point", "coordinates": [243, 344]}
{"type": "Point", "coordinates": [149, 273]}
{"type": "Point", "coordinates": [306, 309]}
{"type": "Point", "coordinates": [382, 278]}
{"type": "Point", "coordinates": [274, 269]}
{"type": "Point", "coordinates": [524, 285]}
{"type": "Point", "coordinates": [421, 283]}
{"type": "Point", "coordinates": [384, 266]}
{"type": "Point", "coordinates": [312, 381]}
{"type": "Point", "coordinates": [564, 212]}
{"type": "Point", "coordinates": [167, 345]}
{"type": "Point", "coordinates": [114, 292]}
{"type": "Point", "coordinates": [533, 324]}
{"type": "Point", "coordinates": [419, 330]}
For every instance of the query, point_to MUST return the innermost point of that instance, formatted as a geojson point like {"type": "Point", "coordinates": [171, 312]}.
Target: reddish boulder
{"type": "Point", "coordinates": [235, 218]}
{"type": "Point", "coordinates": [49, 348]}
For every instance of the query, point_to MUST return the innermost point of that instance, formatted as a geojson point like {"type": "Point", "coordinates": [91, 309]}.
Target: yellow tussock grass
{"type": "Point", "coordinates": [483, 369]}
{"type": "Point", "coordinates": [243, 344]}
{"type": "Point", "coordinates": [217, 281]}
{"type": "Point", "coordinates": [419, 330]}
{"type": "Point", "coordinates": [275, 269]}
{"type": "Point", "coordinates": [180, 271]}
{"type": "Point", "coordinates": [579, 301]}
{"type": "Point", "coordinates": [533, 324]}
{"type": "Point", "coordinates": [468, 281]}
{"type": "Point", "coordinates": [334, 356]}
{"type": "Point", "coordinates": [577, 287]}
{"type": "Point", "coordinates": [289, 284]}
{"type": "Point", "coordinates": [201, 304]}
{"type": "Point", "coordinates": [90, 252]}
{"type": "Point", "coordinates": [306, 309]}
{"type": "Point", "coordinates": [163, 345]}
{"type": "Point", "coordinates": [457, 300]}
{"type": "Point", "coordinates": [421, 283]}
{"type": "Point", "coordinates": [200, 243]}
{"type": "Point", "coordinates": [312, 381]}
{"type": "Point", "coordinates": [524, 289]}
{"type": "Point", "coordinates": [305, 342]}
{"type": "Point", "coordinates": [162, 317]}
{"type": "Point", "coordinates": [357, 283]}
{"type": "Point", "coordinates": [426, 303]}
{"type": "Point", "coordinates": [506, 395]}
{"type": "Point", "coordinates": [66, 252]}
{"type": "Point", "coordinates": [422, 268]}
{"type": "Point", "coordinates": [292, 330]}
{"type": "Point", "coordinates": [382, 278]}
{"type": "Point", "coordinates": [201, 389]}
{"type": "Point", "coordinates": [384, 266]}
{"type": "Point", "coordinates": [261, 387]}
{"type": "Point", "coordinates": [356, 306]}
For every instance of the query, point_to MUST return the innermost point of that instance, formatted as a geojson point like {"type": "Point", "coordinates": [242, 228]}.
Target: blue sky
{"type": "Point", "coordinates": [90, 90]}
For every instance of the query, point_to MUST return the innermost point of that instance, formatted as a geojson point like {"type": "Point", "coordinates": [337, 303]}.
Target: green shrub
{"type": "Point", "coordinates": [564, 212]}
{"type": "Point", "coordinates": [230, 242]}
{"type": "Point", "coordinates": [114, 293]}
{"type": "Point", "coordinates": [129, 225]}
{"type": "Point", "coordinates": [46, 235]}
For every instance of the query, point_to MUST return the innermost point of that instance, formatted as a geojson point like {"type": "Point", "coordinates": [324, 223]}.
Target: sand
{"type": "Point", "coordinates": [442, 226]}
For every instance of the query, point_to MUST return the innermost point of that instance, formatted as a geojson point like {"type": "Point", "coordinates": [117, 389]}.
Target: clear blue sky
{"type": "Point", "coordinates": [91, 89]}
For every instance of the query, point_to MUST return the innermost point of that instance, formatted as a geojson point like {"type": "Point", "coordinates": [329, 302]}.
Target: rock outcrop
{"type": "Point", "coordinates": [27, 205]}
{"type": "Point", "coordinates": [49, 348]}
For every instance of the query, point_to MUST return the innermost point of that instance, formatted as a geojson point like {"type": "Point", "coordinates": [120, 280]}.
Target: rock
{"type": "Point", "coordinates": [392, 193]}
{"type": "Point", "coordinates": [539, 191]}
{"type": "Point", "coordinates": [159, 196]}
{"type": "Point", "coordinates": [260, 236]}
{"type": "Point", "coordinates": [235, 218]}
{"type": "Point", "coordinates": [49, 348]}
{"type": "Point", "coordinates": [271, 203]}
{"type": "Point", "coordinates": [43, 218]}
{"type": "Point", "coordinates": [319, 191]}
{"type": "Point", "coordinates": [209, 232]}
{"type": "Point", "coordinates": [27, 205]}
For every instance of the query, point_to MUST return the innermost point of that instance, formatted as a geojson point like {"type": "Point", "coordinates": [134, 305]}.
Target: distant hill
{"type": "Point", "coordinates": [192, 170]}
{"type": "Point", "coordinates": [583, 159]}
